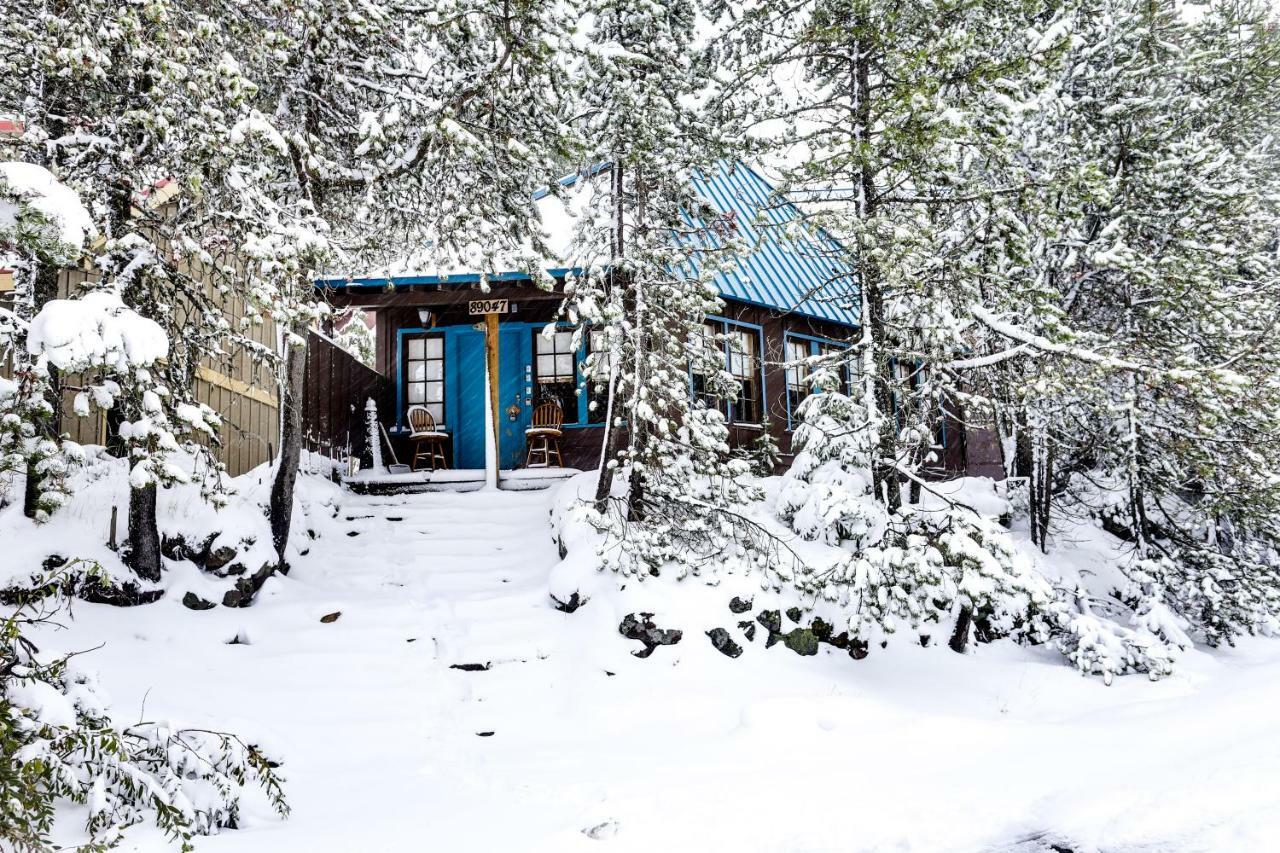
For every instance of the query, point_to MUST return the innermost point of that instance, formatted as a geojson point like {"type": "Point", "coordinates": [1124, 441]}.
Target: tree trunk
{"type": "Point", "coordinates": [613, 435]}
{"type": "Point", "coordinates": [144, 537]}
{"type": "Point", "coordinates": [960, 636]}
{"type": "Point", "coordinates": [44, 289]}
{"type": "Point", "coordinates": [281, 511]}
{"type": "Point", "coordinates": [884, 474]}
{"type": "Point", "coordinates": [612, 445]}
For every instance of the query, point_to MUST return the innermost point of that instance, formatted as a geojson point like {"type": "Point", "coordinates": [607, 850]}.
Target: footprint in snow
{"type": "Point", "coordinates": [607, 829]}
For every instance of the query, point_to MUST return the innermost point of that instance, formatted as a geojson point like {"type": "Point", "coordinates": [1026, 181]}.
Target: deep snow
{"type": "Point", "coordinates": [384, 744]}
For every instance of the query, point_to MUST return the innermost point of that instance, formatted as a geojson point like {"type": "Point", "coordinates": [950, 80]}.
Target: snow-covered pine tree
{"type": "Point", "coordinates": [901, 117]}
{"type": "Point", "coordinates": [353, 334]}
{"type": "Point", "coordinates": [1152, 402]}
{"type": "Point", "coordinates": [385, 132]}
{"type": "Point", "coordinates": [59, 744]}
{"type": "Point", "coordinates": [43, 227]}
{"type": "Point", "coordinates": [126, 104]}
{"type": "Point", "coordinates": [897, 122]}
{"type": "Point", "coordinates": [648, 248]}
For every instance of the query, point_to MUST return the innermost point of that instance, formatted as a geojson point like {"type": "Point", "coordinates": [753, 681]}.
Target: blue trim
{"type": "Point", "coordinates": [436, 280]}
{"type": "Point", "coordinates": [400, 335]}
{"type": "Point", "coordinates": [759, 330]}
{"type": "Point", "coordinates": [814, 341]}
{"type": "Point", "coordinates": [572, 178]}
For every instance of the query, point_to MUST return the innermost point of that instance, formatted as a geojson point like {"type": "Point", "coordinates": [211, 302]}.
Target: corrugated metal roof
{"type": "Point", "coordinates": [791, 267]}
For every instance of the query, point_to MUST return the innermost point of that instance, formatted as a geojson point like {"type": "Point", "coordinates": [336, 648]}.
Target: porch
{"type": "Point", "coordinates": [368, 481]}
{"type": "Point", "coordinates": [476, 362]}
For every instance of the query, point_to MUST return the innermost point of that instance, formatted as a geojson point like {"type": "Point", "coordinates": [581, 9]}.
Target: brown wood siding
{"type": "Point", "coordinates": [398, 309]}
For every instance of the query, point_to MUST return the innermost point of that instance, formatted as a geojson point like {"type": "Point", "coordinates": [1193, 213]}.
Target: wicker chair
{"type": "Point", "coordinates": [543, 436]}
{"type": "Point", "coordinates": [428, 442]}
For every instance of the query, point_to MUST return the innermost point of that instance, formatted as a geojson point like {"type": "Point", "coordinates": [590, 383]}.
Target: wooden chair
{"type": "Point", "coordinates": [543, 436]}
{"type": "Point", "coordinates": [428, 442]}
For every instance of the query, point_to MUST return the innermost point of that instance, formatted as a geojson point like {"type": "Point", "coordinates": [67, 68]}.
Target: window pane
{"type": "Point", "coordinates": [437, 412]}
{"type": "Point", "coordinates": [543, 345]}
{"type": "Point", "coordinates": [564, 367]}
{"type": "Point", "coordinates": [417, 371]}
{"type": "Point", "coordinates": [435, 347]}
{"type": "Point", "coordinates": [435, 392]}
{"type": "Point", "coordinates": [417, 348]}
{"type": "Point", "coordinates": [435, 370]}
{"type": "Point", "coordinates": [546, 367]}
{"type": "Point", "coordinates": [415, 392]}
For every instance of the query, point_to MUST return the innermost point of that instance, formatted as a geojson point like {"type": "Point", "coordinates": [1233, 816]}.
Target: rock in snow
{"type": "Point", "coordinates": [645, 631]}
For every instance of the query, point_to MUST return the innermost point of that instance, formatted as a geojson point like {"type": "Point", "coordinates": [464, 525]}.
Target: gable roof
{"type": "Point", "coordinates": [790, 266]}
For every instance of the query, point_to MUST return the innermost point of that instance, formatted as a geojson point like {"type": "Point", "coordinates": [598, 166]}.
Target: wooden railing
{"type": "Point", "coordinates": [337, 387]}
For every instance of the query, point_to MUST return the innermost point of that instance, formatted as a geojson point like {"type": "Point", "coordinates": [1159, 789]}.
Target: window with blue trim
{"type": "Point", "coordinates": [797, 353]}
{"type": "Point", "coordinates": [424, 374]}
{"type": "Point", "coordinates": [555, 372]}
{"type": "Point", "coordinates": [740, 344]}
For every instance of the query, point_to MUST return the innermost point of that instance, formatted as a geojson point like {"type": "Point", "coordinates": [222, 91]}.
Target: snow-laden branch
{"type": "Point", "coordinates": [1043, 344]}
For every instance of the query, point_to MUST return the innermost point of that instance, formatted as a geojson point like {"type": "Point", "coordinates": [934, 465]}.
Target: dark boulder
{"type": "Point", "coordinates": [645, 631]}
{"type": "Point", "coordinates": [739, 605]}
{"type": "Point", "coordinates": [801, 641]}
{"type": "Point", "coordinates": [195, 602]}
{"type": "Point", "coordinates": [723, 643]}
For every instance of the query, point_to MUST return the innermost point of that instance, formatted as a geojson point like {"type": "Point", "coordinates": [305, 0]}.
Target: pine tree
{"type": "Point", "coordinates": [898, 120]}
{"type": "Point", "coordinates": [648, 249]}
{"type": "Point", "coordinates": [384, 132]}
{"type": "Point", "coordinates": [899, 117]}
{"type": "Point", "coordinates": [121, 103]}
{"type": "Point", "coordinates": [1152, 401]}
{"type": "Point", "coordinates": [43, 226]}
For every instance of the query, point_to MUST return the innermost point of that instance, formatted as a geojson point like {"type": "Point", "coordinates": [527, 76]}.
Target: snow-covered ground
{"type": "Point", "coordinates": [567, 742]}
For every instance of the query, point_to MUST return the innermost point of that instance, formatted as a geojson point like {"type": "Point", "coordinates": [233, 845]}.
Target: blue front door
{"type": "Point", "coordinates": [515, 386]}
{"type": "Point", "coordinates": [468, 392]}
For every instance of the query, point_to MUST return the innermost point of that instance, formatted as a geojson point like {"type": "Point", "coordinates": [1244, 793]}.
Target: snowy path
{"type": "Point", "coordinates": [568, 743]}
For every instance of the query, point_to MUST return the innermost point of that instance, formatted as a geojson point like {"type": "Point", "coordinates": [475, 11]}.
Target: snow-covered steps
{"type": "Point", "coordinates": [381, 482]}
{"type": "Point", "coordinates": [474, 565]}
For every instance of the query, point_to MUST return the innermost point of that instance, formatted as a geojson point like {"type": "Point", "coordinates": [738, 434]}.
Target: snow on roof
{"type": "Point", "coordinates": [789, 266]}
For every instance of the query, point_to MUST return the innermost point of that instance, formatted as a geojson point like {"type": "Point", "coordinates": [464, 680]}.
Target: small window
{"type": "Point", "coordinates": [555, 373]}
{"type": "Point", "coordinates": [711, 343]}
{"type": "Point", "coordinates": [744, 365]}
{"type": "Point", "coordinates": [598, 382]}
{"type": "Point", "coordinates": [424, 374]}
{"type": "Point", "coordinates": [797, 374]}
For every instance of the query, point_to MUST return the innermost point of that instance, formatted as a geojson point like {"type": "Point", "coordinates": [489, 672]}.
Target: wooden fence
{"type": "Point", "coordinates": [333, 416]}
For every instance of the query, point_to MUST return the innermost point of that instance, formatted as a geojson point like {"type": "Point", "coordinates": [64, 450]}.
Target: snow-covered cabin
{"type": "Point", "coordinates": [787, 299]}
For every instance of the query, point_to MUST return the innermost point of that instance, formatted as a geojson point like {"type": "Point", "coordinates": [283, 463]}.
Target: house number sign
{"type": "Point", "coordinates": [489, 306]}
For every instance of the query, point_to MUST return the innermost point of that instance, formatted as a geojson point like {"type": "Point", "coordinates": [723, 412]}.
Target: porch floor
{"type": "Point", "coordinates": [370, 481]}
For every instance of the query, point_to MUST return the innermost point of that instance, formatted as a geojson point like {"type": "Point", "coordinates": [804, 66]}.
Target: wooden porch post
{"type": "Point", "coordinates": [491, 357]}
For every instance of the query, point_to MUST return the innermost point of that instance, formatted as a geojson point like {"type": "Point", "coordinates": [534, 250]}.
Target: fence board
{"type": "Point", "coordinates": [333, 404]}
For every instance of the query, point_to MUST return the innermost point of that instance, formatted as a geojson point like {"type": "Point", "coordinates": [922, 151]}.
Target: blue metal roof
{"type": "Point", "coordinates": [789, 267]}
